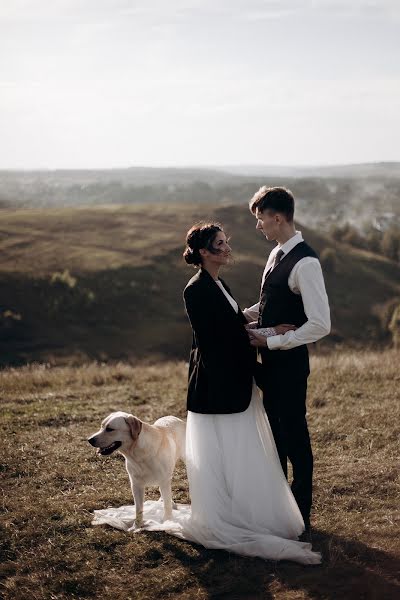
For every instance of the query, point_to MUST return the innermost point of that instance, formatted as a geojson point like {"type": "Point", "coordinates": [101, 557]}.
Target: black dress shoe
{"type": "Point", "coordinates": [307, 525]}
{"type": "Point", "coordinates": [306, 536]}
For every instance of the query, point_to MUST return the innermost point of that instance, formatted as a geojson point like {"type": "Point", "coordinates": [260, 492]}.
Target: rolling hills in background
{"type": "Point", "coordinates": [326, 196]}
{"type": "Point", "coordinates": [106, 282]}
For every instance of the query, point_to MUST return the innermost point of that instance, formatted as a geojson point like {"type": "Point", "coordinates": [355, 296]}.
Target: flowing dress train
{"type": "Point", "coordinates": [240, 499]}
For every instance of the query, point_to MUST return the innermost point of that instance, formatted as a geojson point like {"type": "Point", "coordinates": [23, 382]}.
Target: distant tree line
{"type": "Point", "coordinates": [320, 201]}
{"type": "Point", "coordinates": [385, 243]}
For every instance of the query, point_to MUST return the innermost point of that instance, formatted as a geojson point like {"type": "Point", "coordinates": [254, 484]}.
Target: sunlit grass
{"type": "Point", "coordinates": [52, 480]}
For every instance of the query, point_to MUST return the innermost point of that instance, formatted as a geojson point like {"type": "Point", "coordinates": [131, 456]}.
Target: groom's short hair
{"type": "Point", "coordinates": [277, 199]}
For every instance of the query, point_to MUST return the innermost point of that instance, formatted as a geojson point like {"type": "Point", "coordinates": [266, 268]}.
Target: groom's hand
{"type": "Point", "coordinates": [257, 340]}
{"type": "Point", "coordinates": [260, 341]}
{"type": "Point", "coordinates": [283, 328]}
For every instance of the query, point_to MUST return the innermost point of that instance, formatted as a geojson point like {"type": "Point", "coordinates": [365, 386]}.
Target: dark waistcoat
{"type": "Point", "coordinates": [278, 304]}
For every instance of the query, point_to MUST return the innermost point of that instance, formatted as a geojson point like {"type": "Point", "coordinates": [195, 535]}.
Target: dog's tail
{"type": "Point", "coordinates": [181, 440]}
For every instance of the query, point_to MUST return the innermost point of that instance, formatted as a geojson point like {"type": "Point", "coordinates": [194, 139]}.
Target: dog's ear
{"type": "Point", "coordinates": [135, 425]}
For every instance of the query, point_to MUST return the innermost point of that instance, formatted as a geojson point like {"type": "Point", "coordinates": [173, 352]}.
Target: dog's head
{"type": "Point", "coordinates": [118, 431]}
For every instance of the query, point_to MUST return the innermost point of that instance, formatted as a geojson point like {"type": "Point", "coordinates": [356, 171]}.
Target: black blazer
{"type": "Point", "coordinates": [222, 361]}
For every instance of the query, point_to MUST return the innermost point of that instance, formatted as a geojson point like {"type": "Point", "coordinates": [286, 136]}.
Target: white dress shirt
{"type": "Point", "coordinates": [307, 280]}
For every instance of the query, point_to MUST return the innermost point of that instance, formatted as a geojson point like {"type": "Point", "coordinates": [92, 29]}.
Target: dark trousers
{"type": "Point", "coordinates": [285, 404]}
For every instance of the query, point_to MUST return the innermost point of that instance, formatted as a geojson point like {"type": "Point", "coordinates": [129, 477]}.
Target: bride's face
{"type": "Point", "coordinates": [221, 257]}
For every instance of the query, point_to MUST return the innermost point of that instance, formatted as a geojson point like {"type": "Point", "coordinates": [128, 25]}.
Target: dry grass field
{"type": "Point", "coordinates": [52, 481]}
{"type": "Point", "coordinates": [105, 283]}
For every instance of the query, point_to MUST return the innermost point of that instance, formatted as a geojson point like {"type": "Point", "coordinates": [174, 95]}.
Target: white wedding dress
{"type": "Point", "coordinates": [240, 499]}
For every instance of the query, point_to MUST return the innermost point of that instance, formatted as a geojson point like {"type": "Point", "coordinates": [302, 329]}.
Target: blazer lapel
{"type": "Point", "coordinates": [240, 313]}
{"type": "Point", "coordinates": [217, 293]}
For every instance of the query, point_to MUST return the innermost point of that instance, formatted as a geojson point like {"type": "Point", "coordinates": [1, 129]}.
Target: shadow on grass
{"type": "Point", "coordinates": [350, 569]}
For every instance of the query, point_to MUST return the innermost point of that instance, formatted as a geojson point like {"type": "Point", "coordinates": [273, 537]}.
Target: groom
{"type": "Point", "coordinates": [292, 291]}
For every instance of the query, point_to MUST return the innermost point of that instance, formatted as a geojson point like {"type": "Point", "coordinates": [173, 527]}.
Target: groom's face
{"type": "Point", "coordinates": [268, 222]}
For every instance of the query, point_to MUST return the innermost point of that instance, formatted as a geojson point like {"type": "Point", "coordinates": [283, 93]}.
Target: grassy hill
{"type": "Point", "coordinates": [122, 295]}
{"type": "Point", "coordinates": [52, 480]}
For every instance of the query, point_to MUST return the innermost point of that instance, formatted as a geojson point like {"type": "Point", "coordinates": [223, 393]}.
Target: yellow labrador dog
{"type": "Point", "coordinates": [150, 452]}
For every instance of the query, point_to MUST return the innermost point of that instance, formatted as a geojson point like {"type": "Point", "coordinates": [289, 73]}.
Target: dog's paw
{"type": "Point", "coordinates": [138, 526]}
{"type": "Point", "coordinates": [167, 517]}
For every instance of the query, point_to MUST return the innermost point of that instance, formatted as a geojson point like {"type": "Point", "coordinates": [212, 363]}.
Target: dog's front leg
{"type": "Point", "coordinates": [138, 494]}
{"type": "Point", "coordinates": [138, 498]}
{"type": "Point", "coordinates": [166, 494]}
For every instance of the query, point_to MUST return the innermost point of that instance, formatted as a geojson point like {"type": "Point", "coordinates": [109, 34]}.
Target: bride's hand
{"type": "Point", "coordinates": [283, 328]}
{"type": "Point", "coordinates": [252, 325]}
{"type": "Point", "coordinates": [256, 339]}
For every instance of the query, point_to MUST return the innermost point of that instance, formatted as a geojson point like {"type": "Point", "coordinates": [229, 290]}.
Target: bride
{"type": "Point", "coordinates": [240, 499]}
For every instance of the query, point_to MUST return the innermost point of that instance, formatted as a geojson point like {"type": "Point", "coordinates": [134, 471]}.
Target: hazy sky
{"type": "Point", "coordinates": [105, 83]}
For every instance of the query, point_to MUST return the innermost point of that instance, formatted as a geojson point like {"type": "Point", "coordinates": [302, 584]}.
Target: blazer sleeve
{"type": "Point", "coordinates": [204, 321]}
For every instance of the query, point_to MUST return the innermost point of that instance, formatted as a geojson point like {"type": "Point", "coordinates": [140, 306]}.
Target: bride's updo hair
{"type": "Point", "coordinates": [198, 237]}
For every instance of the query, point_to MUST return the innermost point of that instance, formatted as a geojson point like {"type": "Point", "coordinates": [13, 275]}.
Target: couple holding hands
{"type": "Point", "coordinates": [238, 443]}
{"type": "Point", "coordinates": [246, 418]}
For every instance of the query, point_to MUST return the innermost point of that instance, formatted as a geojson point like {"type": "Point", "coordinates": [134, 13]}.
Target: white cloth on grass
{"type": "Point", "coordinates": [241, 501]}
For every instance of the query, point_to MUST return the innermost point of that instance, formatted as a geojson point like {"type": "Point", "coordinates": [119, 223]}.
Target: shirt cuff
{"type": "Point", "coordinates": [274, 342]}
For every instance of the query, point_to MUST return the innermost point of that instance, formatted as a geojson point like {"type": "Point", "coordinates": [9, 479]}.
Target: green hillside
{"type": "Point", "coordinates": [122, 295]}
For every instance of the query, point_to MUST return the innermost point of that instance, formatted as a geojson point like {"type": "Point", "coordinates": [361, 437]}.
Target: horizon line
{"type": "Point", "coordinates": [207, 166]}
